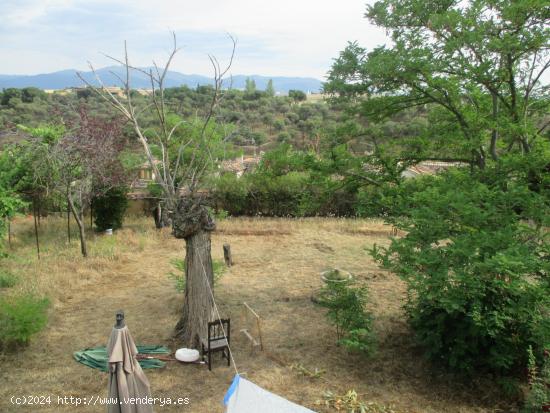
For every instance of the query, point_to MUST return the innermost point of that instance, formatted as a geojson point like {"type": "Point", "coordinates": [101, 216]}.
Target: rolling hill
{"type": "Point", "coordinates": [68, 78]}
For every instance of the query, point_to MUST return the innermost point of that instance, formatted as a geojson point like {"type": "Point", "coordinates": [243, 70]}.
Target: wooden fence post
{"type": "Point", "coordinates": [227, 255]}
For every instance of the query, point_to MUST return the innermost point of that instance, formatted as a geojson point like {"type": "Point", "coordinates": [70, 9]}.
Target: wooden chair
{"type": "Point", "coordinates": [217, 341]}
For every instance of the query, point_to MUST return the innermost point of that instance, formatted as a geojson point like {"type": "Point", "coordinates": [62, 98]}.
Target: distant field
{"type": "Point", "coordinates": [276, 271]}
{"type": "Point", "coordinates": [316, 97]}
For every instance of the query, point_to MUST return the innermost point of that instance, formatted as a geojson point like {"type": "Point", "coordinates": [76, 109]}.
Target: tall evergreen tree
{"type": "Point", "coordinates": [270, 90]}
{"type": "Point", "coordinates": [250, 85]}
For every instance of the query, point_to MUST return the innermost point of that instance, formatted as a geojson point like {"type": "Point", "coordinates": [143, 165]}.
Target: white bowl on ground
{"type": "Point", "coordinates": [187, 355]}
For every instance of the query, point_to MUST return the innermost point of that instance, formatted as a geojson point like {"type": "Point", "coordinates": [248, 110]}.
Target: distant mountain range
{"type": "Point", "coordinates": [68, 78]}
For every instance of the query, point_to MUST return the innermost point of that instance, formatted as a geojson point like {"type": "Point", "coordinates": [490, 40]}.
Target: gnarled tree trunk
{"type": "Point", "coordinates": [192, 222]}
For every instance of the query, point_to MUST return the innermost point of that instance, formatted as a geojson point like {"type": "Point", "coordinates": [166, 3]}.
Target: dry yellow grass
{"type": "Point", "coordinates": [277, 266]}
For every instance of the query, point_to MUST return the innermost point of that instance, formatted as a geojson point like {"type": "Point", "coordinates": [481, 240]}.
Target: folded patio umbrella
{"type": "Point", "coordinates": [127, 382]}
{"type": "Point", "coordinates": [96, 357]}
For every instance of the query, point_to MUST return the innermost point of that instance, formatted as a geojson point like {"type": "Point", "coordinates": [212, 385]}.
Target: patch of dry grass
{"type": "Point", "coordinates": [276, 271]}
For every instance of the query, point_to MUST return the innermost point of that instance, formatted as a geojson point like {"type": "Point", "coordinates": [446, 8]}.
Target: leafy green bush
{"type": "Point", "coordinates": [110, 208]}
{"type": "Point", "coordinates": [476, 261]}
{"type": "Point", "coordinates": [277, 195]}
{"type": "Point", "coordinates": [10, 202]}
{"type": "Point", "coordinates": [283, 137]}
{"type": "Point", "coordinates": [373, 201]}
{"type": "Point", "coordinates": [20, 318]}
{"type": "Point", "coordinates": [538, 399]}
{"type": "Point", "coordinates": [178, 276]}
{"type": "Point", "coordinates": [230, 193]}
{"type": "Point", "coordinates": [219, 215]}
{"type": "Point", "coordinates": [7, 279]}
{"type": "Point", "coordinates": [346, 311]}
{"type": "Point", "coordinates": [286, 183]}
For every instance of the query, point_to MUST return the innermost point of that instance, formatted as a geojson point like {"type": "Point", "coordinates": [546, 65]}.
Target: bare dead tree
{"type": "Point", "coordinates": [179, 177]}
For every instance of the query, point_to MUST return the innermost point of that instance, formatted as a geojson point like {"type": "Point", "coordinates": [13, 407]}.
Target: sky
{"type": "Point", "coordinates": [274, 37]}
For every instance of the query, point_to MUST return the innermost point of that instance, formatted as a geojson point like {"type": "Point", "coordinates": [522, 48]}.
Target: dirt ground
{"type": "Point", "coordinates": [276, 271]}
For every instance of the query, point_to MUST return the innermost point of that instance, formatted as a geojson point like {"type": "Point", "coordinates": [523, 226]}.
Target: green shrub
{"type": "Point", "coordinates": [20, 318]}
{"type": "Point", "coordinates": [218, 215]}
{"type": "Point", "coordinates": [230, 193]}
{"type": "Point", "coordinates": [375, 202]}
{"type": "Point", "coordinates": [283, 137]}
{"type": "Point", "coordinates": [7, 279]}
{"type": "Point", "coordinates": [476, 261]}
{"type": "Point", "coordinates": [109, 209]}
{"type": "Point", "coordinates": [277, 195]}
{"type": "Point", "coordinates": [288, 182]}
{"type": "Point", "coordinates": [221, 214]}
{"type": "Point", "coordinates": [346, 311]}
{"type": "Point", "coordinates": [178, 276]}
{"type": "Point", "coordinates": [538, 398]}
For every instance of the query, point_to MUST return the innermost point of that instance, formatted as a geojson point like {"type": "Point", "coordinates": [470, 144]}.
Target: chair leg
{"type": "Point", "coordinates": [228, 357]}
{"type": "Point", "coordinates": [209, 360]}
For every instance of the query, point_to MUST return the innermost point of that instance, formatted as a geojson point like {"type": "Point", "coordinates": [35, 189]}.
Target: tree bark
{"type": "Point", "coordinates": [198, 307]}
{"type": "Point", "coordinates": [9, 231]}
{"type": "Point", "coordinates": [82, 231]}
{"type": "Point", "coordinates": [192, 222]}
{"type": "Point", "coordinates": [68, 222]}
{"type": "Point", "coordinates": [36, 228]}
{"type": "Point", "coordinates": [79, 218]}
{"type": "Point", "coordinates": [494, 132]}
{"type": "Point", "coordinates": [38, 204]}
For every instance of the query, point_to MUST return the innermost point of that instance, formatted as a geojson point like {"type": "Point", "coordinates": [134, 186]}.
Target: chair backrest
{"type": "Point", "coordinates": [216, 332]}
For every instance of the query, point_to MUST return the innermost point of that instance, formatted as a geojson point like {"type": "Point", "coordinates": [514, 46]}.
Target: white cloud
{"type": "Point", "coordinates": [297, 36]}
{"type": "Point", "coordinates": [284, 37]}
{"type": "Point", "coordinates": [22, 13]}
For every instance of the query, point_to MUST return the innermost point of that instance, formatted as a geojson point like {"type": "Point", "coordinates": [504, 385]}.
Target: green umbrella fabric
{"type": "Point", "coordinates": [97, 357]}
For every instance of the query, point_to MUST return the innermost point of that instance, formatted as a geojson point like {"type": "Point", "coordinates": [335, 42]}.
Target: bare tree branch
{"type": "Point", "coordinates": [169, 173]}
